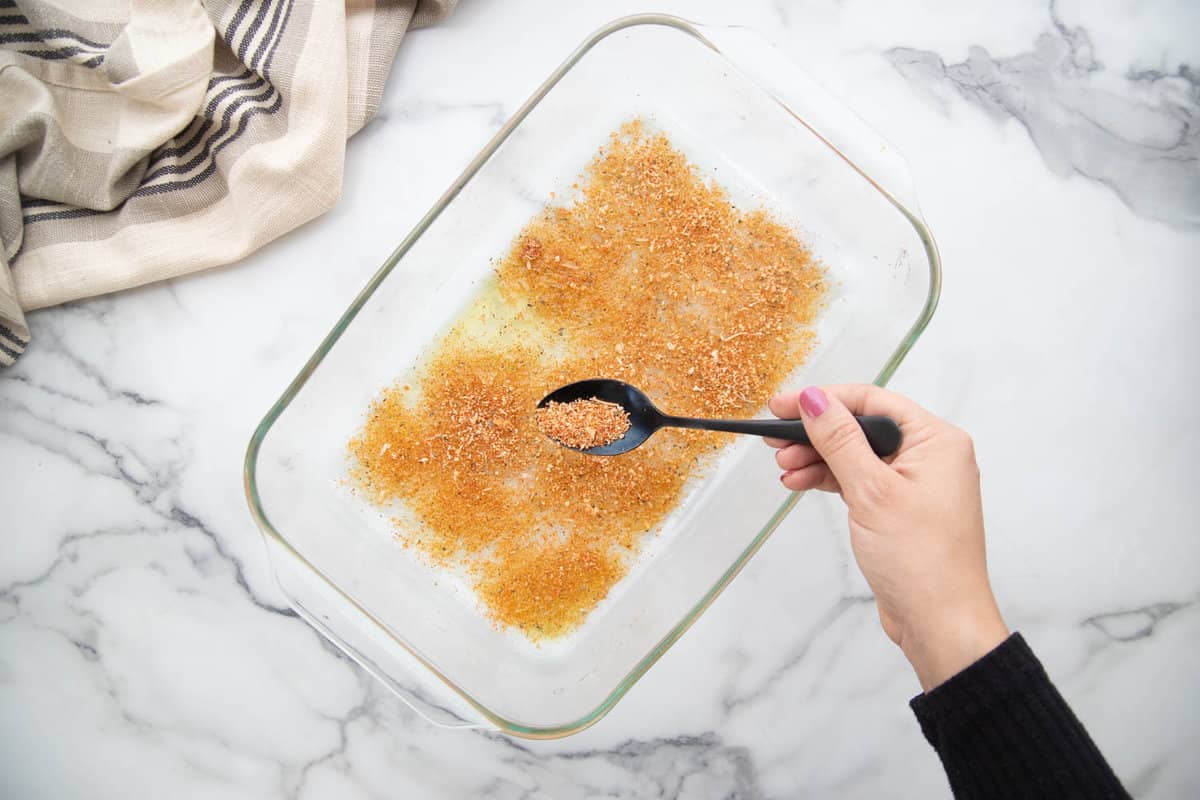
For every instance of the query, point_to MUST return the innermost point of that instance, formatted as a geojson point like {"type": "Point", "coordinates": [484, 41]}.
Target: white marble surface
{"type": "Point", "coordinates": [146, 652]}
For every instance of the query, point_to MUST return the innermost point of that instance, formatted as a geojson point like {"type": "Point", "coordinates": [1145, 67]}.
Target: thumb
{"type": "Point", "coordinates": [837, 437]}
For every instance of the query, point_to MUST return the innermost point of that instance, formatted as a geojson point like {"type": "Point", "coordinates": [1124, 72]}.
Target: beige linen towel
{"type": "Point", "coordinates": [144, 139]}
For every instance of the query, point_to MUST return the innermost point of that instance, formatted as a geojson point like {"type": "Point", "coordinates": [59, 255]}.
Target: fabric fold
{"type": "Point", "coordinates": [182, 137]}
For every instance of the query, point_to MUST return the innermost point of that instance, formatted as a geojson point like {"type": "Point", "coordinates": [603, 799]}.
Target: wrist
{"type": "Point", "coordinates": [948, 643]}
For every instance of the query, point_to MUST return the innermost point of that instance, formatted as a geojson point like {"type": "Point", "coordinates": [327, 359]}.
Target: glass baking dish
{"type": "Point", "coordinates": [745, 116]}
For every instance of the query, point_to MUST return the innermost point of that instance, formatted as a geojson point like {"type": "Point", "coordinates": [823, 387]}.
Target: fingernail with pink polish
{"type": "Point", "coordinates": [785, 475]}
{"type": "Point", "coordinates": [813, 401]}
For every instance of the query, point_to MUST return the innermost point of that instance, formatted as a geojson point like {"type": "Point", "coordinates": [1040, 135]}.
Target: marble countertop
{"type": "Point", "coordinates": [145, 650]}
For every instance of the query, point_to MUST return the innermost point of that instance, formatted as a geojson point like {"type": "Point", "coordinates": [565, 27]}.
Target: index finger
{"type": "Point", "coordinates": [860, 398]}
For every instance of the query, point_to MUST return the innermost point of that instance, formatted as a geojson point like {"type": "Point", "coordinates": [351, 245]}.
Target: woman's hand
{"type": "Point", "coordinates": [916, 524]}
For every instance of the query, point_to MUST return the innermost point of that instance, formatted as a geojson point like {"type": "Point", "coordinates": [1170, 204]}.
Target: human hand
{"type": "Point", "coordinates": [916, 523]}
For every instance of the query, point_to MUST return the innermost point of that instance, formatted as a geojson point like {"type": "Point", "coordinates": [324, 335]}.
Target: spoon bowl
{"type": "Point", "coordinates": [644, 418]}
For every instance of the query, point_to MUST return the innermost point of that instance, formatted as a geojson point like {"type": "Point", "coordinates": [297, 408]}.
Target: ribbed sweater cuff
{"type": "Point", "coordinates": [1003, 730]}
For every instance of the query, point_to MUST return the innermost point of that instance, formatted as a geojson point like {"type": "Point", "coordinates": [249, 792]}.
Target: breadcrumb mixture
{"type": "Point", "coordinates": [648, 275]}
{"type": "Point", "coordinates": [583, 423]}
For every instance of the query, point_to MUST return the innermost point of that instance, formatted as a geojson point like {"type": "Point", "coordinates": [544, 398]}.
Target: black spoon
{"type": "Point", "coordinates": [644, 419]}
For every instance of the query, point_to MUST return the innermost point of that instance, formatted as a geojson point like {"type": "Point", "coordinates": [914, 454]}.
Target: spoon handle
{"type": "Point", "coordinates": [882, 433]}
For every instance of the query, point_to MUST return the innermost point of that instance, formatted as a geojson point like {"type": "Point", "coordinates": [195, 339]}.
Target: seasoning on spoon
{"type": "Point", "coordinates": [583, 423]}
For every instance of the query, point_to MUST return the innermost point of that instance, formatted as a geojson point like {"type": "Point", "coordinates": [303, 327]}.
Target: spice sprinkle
{"type": "Point", "coordinates": [647, 274]}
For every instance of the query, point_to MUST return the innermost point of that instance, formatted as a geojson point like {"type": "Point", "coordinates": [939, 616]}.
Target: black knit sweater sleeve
{"type": "Point", "coordinates": [1003, 731]}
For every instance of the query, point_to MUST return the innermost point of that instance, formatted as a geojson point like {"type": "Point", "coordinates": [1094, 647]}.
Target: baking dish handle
{"type": "Point", "coordinates": [862, 147]}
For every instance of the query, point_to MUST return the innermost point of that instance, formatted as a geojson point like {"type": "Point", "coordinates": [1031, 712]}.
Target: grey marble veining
{"type": "Point", "coordinates": [1137, 132]}
{"type": "Point", "coordinates": [1137, 623]}
{"type": "Point", "coordinates": [145, 649]}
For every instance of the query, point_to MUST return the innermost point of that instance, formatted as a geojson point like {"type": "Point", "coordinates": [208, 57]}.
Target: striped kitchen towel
{"type": "Point", "coordinates": [146, 139]}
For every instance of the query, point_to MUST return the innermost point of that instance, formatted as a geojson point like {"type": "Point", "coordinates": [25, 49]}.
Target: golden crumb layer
{"type": "Point", "coordinates": [649, 275]}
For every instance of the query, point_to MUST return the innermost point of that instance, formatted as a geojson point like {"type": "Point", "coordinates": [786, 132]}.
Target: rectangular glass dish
{"type": "Point", "coordinates": [745, 117]}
